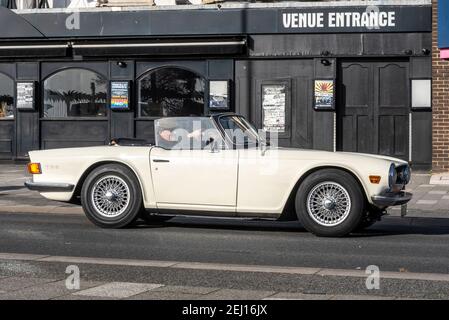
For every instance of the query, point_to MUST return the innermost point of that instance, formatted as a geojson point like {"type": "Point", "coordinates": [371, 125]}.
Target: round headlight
{"type": "Point", "coordinates": [406, 174]}
{"type": "Point", "coordinates": [392, 175]}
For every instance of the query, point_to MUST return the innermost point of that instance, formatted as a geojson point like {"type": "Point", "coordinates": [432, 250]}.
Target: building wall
{"type": "Point", "coordinates": [440, 102]}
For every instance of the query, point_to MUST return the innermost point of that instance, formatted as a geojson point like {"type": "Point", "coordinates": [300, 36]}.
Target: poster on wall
{"type": "Point", "coordinates": [219, 95]}
{"type": "Point", "coordinates": [120, 95]}
{"type": "Point", "coordinates": [273, 107]}
{"type": "Point", "coordinates": [25, 95]}
{"type": "Point", "coordinates": [324, 95]}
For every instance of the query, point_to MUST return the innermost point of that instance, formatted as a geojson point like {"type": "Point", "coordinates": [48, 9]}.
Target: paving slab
{"type": "Point", "coordinates": [361, 297]}
{"type": "Point", "coordinates": [298, 296]}
{"type": "Point", "coordinates": [186, 289]}
{"type": "Point", "coordinates": [118, 289]}
{"type": "Point", "coordinates": [159, 295]}
{"type": "Point", "coordinates": [235, 294]}
{"type": "Point", "coordinates": [44, 291]}
{"type": "Point", "coordinates": [10, 284]}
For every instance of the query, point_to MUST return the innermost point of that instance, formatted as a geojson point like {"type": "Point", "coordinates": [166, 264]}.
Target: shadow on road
{"type": "Point", "coordinates": [389, 226]}
{"type": "Point", "coordinates": [11, 188]}
{"type": "Point", "coordinates": [408, 226]}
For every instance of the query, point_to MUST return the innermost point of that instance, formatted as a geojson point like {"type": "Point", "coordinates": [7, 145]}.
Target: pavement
{"type": "Point", "coordinates": [210, 259]}
{"type": "Point", "coordinates": [430, 195]}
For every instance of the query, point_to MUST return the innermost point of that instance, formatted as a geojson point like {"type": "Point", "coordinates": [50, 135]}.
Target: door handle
{"type": "Point", "coordinates": [160, 160]}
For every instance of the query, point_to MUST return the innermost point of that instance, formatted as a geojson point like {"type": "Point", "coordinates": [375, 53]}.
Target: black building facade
{"type": "Point", "coordinates": [329, 78]}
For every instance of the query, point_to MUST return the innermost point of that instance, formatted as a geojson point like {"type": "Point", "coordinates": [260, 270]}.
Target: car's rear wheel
{"type": "Point", "coordinates": [330, 203]}
{"type": "Point", "coordinates": [111, 196]}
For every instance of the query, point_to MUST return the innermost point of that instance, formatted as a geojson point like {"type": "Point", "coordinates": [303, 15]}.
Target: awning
{"type": "Point", "coordinates": [120, 48]}
{"type": "Point", "coordinates": [31, 50]}
{"type": "Point", "coordinates": [161, 47]}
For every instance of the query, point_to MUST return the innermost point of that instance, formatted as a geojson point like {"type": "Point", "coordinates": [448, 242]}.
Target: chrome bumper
{"type": "Point", "coordinates": [49, 187]}
{"type": "Point", "coordinates": [391, 199]}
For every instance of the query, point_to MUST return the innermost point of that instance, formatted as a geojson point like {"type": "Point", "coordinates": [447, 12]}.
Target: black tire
{"type": "Point", "coordinates": [352, 216]}
{"type": "Point", "coordinates": [132, 208]}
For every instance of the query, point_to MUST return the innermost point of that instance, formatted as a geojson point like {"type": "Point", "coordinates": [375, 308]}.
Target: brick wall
{"type": "Point", "coordinates": [440, 102]}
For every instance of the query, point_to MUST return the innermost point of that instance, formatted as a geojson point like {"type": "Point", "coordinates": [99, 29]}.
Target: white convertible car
{"type": "Point", "coordinates": [220, 166]}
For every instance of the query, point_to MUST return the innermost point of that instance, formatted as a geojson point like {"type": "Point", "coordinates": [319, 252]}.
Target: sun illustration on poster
{"type": "Point", "coordinates": [326, 87]}
{"type": "Point", "coordinates": [324, 94]}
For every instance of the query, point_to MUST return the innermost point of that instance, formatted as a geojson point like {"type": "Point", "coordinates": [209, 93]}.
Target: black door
{"type": "Point", "coordinates": [275, 96]}
{"type": "Point", "coordinates": [373, 108]}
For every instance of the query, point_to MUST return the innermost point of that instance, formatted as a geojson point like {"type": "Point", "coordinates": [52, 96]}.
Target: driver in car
{"type": "Point", "coordinates": [176, 138]}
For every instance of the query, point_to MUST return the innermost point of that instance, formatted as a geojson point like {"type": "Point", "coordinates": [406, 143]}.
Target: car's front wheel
{"type": "Point", "coordinates": [330, 203]}
{"type": "Point", "coordinates": [111, 196]}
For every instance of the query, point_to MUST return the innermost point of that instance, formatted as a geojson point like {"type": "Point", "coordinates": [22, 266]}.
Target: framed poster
{"type": "Point", "coordinates": [120, 95]}
{"type": "Point", "coordinates": [421, 92]}
{"type": "Point", "coordinates": [219, 95]}
{"type": "Point", "coordinates": [324, 94]}
{"type": "Point", "coordinates": [274, 101]}
{"type": "Point", "coordinates": [25, 95]}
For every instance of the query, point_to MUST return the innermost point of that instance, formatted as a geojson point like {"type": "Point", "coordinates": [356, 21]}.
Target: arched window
{"type": "Point", "coordinates": [171, 91]}
{"type": "Point", "coordinates": [6, 97]}
{"type": "Point", "coordinates": [75, 93]}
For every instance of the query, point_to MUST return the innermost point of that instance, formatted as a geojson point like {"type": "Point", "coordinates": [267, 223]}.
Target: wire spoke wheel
{"type": "Point", "coordinates": [328, 204]}
{"type": "Point", "coordinates": [110, 196]}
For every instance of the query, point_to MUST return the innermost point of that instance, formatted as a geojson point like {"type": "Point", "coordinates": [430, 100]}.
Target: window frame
{"type": "Point", "coordinates": [14, 92]}
{"type": "Point", "coordinates": [74, 118]}
{"type": "Point", "coordinates": [138, 113]}
{"type": "Point", "coordinates": [287, 82]}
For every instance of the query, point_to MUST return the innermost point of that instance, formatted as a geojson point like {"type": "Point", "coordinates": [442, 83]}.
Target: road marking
{"type": "Point", "coordinates": [107, 261]}
{"type": "Point", "coordinates": [437, 192]}
{"type": "Point", "coordinates": [225, 267]}
{"type": "Point", "coordinates": [429, 202]}
{"type": "Point", "coordinates": [118, 289]}
{"type": "Point", "coordinates": [245, 268]}
{"type": "Point", "coordinates": [21, 256]}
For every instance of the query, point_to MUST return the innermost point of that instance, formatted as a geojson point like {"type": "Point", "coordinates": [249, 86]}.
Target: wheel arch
{"type": "Point", "coordinates": [92, 167]}
{"type": "Point", "coordinates": [288, 212]}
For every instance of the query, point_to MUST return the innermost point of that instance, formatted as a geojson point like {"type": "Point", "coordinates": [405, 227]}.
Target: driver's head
{"type": "Point", "coordinates": [165, 134]}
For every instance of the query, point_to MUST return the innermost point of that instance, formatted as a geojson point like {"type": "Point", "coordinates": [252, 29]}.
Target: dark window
{"type": "Point", "coordinates": [171, 91]}
{"type": "Point", "coordinates": [6, 97]}
{"type": "Point", "coordinates": [75, 93]}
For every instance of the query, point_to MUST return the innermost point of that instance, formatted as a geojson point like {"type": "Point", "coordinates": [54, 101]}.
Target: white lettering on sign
{"type": "Point", "coordinates": [303, 20]}
{"type": "Point", "coordinates": [370, 20]}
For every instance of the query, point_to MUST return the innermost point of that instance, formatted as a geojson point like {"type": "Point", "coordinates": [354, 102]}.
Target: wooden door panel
{"type": "Point", "coordinates": [355, 135]}
{"type": "Point", "coordinates": [372, 114]}
{"type": "Point", "coordinates": [391, 108]}
{"type": "Point", "coordinates": [364, 138]}
{"type": "Point", "coordinates": [393, 91]}
{"type": "Point", "coordinates": [356, 85]}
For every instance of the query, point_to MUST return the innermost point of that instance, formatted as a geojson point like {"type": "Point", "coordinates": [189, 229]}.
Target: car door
{"type": "Point", "coordinates": [195, 179]}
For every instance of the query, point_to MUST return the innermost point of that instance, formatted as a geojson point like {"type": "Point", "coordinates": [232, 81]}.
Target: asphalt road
{"type": "Point", "coordinates": [395, 244]}
{"type": "Point", "coordinates": [407, 245]}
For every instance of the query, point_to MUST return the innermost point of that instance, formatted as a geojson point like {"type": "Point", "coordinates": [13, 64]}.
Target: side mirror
{"type": "Point", "coordinates": [213, 145]}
